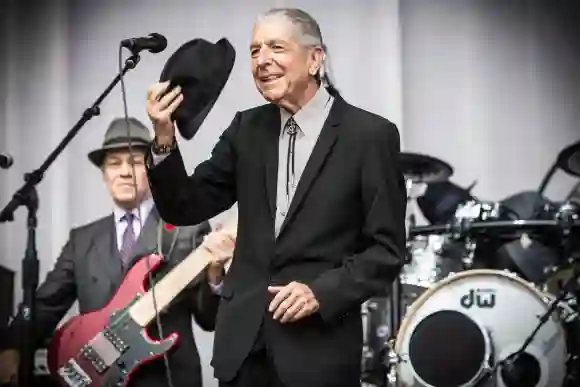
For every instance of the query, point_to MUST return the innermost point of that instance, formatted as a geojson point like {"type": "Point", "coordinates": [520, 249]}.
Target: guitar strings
{"type": "Point", "coordinates": [168, 374]}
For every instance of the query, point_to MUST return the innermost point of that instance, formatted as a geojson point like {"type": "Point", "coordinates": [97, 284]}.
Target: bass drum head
{"type": "Point", "coordinates": [470, 321]}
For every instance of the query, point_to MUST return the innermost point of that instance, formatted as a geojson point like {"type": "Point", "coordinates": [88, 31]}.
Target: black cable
{"type": "Point", "coordinates": [150, 275]}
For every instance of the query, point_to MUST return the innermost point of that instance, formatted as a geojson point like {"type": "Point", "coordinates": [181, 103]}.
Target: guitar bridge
{"type": "Point", "coordinates": [73, 375]}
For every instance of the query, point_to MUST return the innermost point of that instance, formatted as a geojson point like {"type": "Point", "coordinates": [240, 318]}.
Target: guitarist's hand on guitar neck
{"type": "Point", "coordinates": [221, 244]}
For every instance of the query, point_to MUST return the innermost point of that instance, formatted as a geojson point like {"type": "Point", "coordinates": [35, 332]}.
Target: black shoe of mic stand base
{"type": "Point", "coordinates": [28, 196]}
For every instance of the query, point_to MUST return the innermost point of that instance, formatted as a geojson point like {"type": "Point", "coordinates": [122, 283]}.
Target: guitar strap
{"type": "Point", "coordinates": [160, 232]}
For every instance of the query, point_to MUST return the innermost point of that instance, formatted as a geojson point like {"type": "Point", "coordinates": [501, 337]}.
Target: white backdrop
{"type": "Point", "coordinates": [483, 85]}
{"type": "Point", "coordinates": [490, 87]}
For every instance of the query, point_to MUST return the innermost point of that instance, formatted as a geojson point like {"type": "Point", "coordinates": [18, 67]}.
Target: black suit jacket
{"type": "Point", "coordinates": [89, 270]}
{"type": "Point", "coordinates": [344, 236]}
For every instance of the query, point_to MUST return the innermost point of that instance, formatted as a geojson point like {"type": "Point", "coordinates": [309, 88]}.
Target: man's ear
{"type": "Point", "coordinates": [317, 59]}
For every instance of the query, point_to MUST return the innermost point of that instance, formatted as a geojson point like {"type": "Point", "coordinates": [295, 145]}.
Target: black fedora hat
{"type": "Point", "coordinates": [202, 69]}
{"type": "Point", "coordinates": [117, 137]}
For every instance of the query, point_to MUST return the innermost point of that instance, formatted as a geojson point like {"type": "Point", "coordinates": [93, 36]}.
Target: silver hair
{"type": "Point", "coordinates": [310, 35]}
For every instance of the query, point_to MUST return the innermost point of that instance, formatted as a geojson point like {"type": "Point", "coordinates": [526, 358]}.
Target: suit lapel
{"type": "Point", "coordinates": [106, 251]}
{"type": "Point", "coordinates": [319, 154]}
{"type": "Point", "coordinates": [147, 241]}
{"type": "Point", "coordinates": [272, 135]}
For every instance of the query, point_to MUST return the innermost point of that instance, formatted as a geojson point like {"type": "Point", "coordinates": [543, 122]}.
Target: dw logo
{"type": "Point", "coordinates": [482, 298]}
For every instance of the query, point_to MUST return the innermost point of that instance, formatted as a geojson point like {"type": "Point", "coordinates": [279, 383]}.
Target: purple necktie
{"type": "Point", "coordinates": [128, 238]}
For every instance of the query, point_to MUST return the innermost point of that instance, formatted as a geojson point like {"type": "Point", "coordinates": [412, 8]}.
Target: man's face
{"type": "Point", "coordinates": [281, 66]}
{"type": "Point", "coordinates": [118, 175]}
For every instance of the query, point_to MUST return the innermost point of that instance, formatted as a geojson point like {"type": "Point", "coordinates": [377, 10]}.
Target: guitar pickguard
{"type": "Point", "coordinates": [138, 350]}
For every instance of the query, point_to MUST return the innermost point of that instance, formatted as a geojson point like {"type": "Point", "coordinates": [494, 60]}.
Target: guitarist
{"type": "Point", "coordinates": [97, 256]}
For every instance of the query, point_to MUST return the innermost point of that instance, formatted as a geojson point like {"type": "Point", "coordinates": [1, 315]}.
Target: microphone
{"type": "Point", "coordinates": [154, 43]}
{"type": "Point", "coordinates": [6, 161]}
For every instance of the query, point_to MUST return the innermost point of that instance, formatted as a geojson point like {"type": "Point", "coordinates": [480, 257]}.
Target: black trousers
{"type": "Point", "coordinates": [258, 369]}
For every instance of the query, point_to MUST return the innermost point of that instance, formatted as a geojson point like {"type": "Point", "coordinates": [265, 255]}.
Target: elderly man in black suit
{"type": "Point", "coordinates": [321, 212]}
{"type": "Point", "coordinates": [98, 255]}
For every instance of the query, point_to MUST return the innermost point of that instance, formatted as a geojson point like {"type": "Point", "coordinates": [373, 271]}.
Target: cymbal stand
{"type": "Point", "coordinates": [396, 298]}
{"type": "Point", "coordinates": [396, 302]}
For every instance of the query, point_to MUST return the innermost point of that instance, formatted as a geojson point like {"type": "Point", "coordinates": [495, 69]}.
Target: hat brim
{"type": "Point", "coordinates": [98, 155]}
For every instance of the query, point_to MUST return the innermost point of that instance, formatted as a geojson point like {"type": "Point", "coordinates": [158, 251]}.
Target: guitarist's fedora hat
{"type": "Point", "coordinates": [120, 134]}
{"type": "Point", "coordinates": [202, 69]}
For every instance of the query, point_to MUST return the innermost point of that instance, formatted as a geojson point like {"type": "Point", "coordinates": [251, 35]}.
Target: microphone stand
{"type": "Point", "coordinates": [27, 196]}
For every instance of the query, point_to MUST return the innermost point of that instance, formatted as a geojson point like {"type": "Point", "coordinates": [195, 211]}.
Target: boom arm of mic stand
{"type": "Point", "coordinates": [27, 196]}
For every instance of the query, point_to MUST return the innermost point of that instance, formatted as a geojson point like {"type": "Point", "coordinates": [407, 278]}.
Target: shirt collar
{"type": "Point", "coordinates": [312, 110]}
{"type": "Point", "coordinates": [144, 209]}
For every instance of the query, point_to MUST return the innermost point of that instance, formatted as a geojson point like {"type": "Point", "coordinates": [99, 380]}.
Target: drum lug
{"type": "Point", "coordinates": [393, 359]}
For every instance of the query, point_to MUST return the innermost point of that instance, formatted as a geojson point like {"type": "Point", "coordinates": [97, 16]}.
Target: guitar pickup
{"type": "Point", "coordinates": [104, 350]}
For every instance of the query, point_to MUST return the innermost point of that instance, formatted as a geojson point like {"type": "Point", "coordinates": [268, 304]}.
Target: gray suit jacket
{"type": "Point", "coordinates": [89, 270]}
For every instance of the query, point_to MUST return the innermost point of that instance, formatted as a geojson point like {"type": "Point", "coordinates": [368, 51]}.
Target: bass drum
{"type": "Point", "coordinates": [457, 330]}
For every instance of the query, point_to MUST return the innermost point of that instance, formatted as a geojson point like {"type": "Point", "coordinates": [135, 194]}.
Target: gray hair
{"type": "Point", "coordinates": [310, 35]}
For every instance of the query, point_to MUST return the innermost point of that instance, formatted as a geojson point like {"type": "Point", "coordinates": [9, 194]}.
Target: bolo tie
{"type": "Point", "coordinates": [292, 129]}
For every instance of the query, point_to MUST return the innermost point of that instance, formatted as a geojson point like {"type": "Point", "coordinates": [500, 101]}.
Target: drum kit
{"type": "Point", "coordinates": [490, 291]}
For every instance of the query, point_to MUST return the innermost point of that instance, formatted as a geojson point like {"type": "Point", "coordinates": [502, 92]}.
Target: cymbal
{"type": "Point", "coordinates": [569, 159]}
{"type": "Point", "coordinates": [424, 169]}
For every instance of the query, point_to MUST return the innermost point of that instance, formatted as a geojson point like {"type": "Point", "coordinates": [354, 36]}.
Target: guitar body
{"type": "Point", "coordinates": [103, 348]}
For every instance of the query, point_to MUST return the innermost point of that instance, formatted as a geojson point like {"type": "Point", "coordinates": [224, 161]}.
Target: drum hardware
{"type": "Point", "coordinates": [440, 201]}
{"type": "Point", "coordinates": [574, 195]}
{"type": "Point", "coordinates": [567, 215]}
{"type": "Point", "coordinates": [392, 360]}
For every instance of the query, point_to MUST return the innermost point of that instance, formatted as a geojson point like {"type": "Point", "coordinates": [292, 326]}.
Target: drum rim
{"type": "Point", "coordinates": [420, 301]}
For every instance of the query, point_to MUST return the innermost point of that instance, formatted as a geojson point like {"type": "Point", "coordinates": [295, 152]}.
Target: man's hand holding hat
{"type": "Point", "coordinates": [160, 106]}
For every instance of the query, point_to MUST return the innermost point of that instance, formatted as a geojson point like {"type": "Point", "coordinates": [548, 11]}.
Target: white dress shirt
{"type": "Point", "coordinates": [310, 120]}
{"type": "Point", "coordinates": [140, 214]}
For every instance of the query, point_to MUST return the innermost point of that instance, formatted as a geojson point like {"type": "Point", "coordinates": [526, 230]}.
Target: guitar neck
{"type": "Point", "coordinates": [144, 310]}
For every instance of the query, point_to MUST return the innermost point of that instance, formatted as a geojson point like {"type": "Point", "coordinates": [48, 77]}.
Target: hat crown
{"type": "Point", "coordinates": [121, 130]}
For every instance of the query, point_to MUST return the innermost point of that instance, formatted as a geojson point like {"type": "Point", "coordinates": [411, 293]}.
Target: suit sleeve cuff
{"type": "Point", "coordinates": [216, 289]}
{"type": "Point", "coordinates": [158, 158]}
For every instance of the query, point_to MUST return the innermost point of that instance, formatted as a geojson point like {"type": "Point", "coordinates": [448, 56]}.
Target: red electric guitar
{"type": "Point", "coordinates": [104, 347]}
